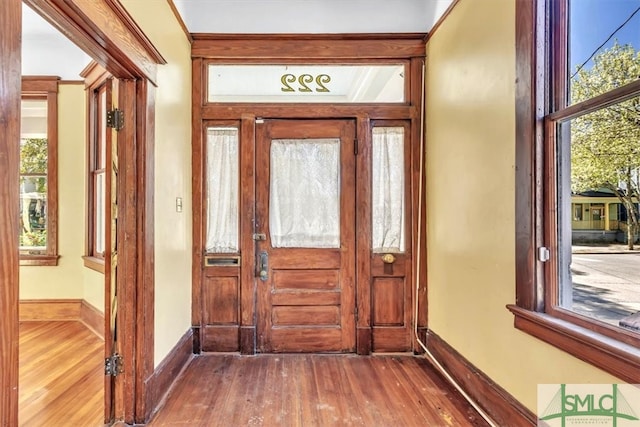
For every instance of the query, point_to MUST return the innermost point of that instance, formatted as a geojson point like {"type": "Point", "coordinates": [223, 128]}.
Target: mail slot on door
{"type": "Point", "coordinates": [221, 261]}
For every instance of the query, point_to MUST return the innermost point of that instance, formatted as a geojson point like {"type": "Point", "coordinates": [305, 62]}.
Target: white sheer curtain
{"type": "Point", "coordinates": [222, 190]}
{"type": "Point", "coordinates": [304, 202]}
{"type": "Point", "coordinates": [388, 232]}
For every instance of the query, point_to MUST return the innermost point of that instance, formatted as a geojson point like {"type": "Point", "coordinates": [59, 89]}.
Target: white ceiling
{"type": "Point", "coordinates": [47, 52]}
{"type": "Point", "coordinates": [310, 16]}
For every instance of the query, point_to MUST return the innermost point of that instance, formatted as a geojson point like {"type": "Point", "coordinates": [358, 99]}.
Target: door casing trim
{"type": "Point", "coordinates": [128, 55]}
{"type": "Point", "coordinates": [321, 48]}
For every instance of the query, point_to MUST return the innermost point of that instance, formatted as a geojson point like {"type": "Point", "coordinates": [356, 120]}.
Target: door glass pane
{"type": "Point", "coordinates": [304, 200]}
{"type": "Point", "coordinates": [222, 190]}
{"type": "Point", "coordinates": [388, 210]}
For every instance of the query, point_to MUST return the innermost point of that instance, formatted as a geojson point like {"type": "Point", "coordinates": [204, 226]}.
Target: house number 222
{"type": "Point", "coordinates": [304, 80]}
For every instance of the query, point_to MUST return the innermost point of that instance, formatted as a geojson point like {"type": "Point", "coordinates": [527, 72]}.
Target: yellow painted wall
{"type": "Point", "coordinates": [172, 172]}
{"type": "Point", "coordinates": [65, 280]}
{"type": "Point", "coordinates": [93, 289]}
{"type": "Point", "coordinates": [470, 153]}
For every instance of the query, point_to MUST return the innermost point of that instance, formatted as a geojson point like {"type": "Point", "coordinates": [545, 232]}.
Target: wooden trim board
{"type": "Point", "coordinates": [62, 310]}
{"type": "Point", "coordinates": [50, 309]}
{"type": "Point", "coordinates": [166, 373]}
{"type": "Point", "coordinates": [92, 318]}
{"type": "Point", "coordinates": [502, 407]}
{"type": "Point", "coordinates": [10, 52]}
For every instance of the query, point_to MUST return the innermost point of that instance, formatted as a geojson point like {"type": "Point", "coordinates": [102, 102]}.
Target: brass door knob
{"type": "Point", "coordinates": [388, 258]}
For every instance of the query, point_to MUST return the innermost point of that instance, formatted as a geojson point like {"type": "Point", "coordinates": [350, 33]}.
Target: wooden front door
{"type": "Point", "coordinates": [305, 235]}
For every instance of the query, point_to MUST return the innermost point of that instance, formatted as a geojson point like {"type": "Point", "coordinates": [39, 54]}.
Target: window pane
{"type": "Point", "coordinates": [33, 176]}
{"type": "Point", "coordinates": [599, 165]}
{"type": "Point", "coordinates": [102, 137]}
{"type": "Point", "coordinates": [603, 44]}
{"type": "Point", "coordinates": [99, 213]}
{"type": "Point", "coordinates": [306, 83]}
{"type": "Point", "coordinates": [222, 190]}
{"type": "Point", "coordinates": [33, 118]}
{"type": "Point", "coordinates": [33, 213]}
{"type": "Point", "coordinates": [304, 199]}
{"type": "Point", "coordinates": [388, 189]}
{"type": "Point", "coordinates": [33, 156]}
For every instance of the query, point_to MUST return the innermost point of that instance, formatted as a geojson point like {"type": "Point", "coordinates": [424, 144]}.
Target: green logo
{"type": "Point", "coordinates": [589, 404]}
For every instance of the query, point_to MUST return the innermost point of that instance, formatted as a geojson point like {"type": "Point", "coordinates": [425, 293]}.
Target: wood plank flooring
{"type": "Point", "coordinates": [61, 375]}
{"type": "Point", "coordinates": [313, 390]}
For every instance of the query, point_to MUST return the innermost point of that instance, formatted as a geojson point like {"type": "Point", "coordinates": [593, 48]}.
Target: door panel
{"type": "Point", "coordinates": [306, 297]}
{"type": "Point", "coordinates": [391, 303]}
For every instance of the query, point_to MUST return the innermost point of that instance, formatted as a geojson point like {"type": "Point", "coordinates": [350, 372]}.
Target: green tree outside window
{"type": "Point", "coordinates": [33, 193]}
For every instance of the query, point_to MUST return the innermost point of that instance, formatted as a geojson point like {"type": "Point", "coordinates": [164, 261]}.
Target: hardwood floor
{"type": "Point", "coordinates": [61, 384]}
{"type": "Point", "coordinates": [313, 390]}
{"type": "Point", "coordinates": [61, 375]}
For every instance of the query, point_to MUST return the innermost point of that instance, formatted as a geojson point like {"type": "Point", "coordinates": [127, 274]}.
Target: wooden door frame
{"type": "Point", "coordinates": [104, 30]}
{"type": "Point", "coordinates": [10, 84]}
{"type": "Point", "coordinates": [308, 49]}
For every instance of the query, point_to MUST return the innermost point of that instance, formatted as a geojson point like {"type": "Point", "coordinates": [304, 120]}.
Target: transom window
{"type": "Point", "coordinates": [311, 83]}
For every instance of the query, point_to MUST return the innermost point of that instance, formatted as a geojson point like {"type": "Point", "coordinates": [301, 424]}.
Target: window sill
{"type": "Point", "coordinates": [39, 260]}
{"type": "Point", "coordinates": [608, 354]}
{"type": "Point", "coordinates": [94, 263]}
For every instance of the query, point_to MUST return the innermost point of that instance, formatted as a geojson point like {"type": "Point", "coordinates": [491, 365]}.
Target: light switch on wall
{"type": "Point", "coordinates": [178, 204]}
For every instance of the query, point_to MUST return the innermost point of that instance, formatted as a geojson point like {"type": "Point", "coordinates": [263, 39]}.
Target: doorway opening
{"type": "Point", "coordinates": [77, 20]}
{"type": "Point", "coordinates": [305, 201]}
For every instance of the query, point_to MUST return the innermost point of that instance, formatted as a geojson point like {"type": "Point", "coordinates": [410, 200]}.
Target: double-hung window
{"type": "Point", "coordinates": [98, 85]}
{"type": "Point", "coordinates": [577, 180]}
{"type": "Point", "coordinates": [38, 172]}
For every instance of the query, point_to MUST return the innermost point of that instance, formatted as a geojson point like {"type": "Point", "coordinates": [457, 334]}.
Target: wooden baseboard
{"type": "Point", "coordinates": [157, 386]}
{"type": "Point", "coordinates": [49, 309]}
{"type": "Point", "coordinates": [248, 340]}
{"type": "Point", "coordinates": [220, 338]}
{"type": "Point", "coordinates": [92, 317]}
{"type": "Point", "coordinates": [197, 349]}
{"type": "Point", "coordinates": [63, 310]}
{"type": "Point", "coordinates": [363, 341]}
{"type": "Point", "coordinates": [503, 408]}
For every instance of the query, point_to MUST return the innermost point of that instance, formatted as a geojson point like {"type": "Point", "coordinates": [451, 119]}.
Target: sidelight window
{"type": "Point", "coordinates": [222, 200]}
{"type": "Point", "coordinates": [388, 204]}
